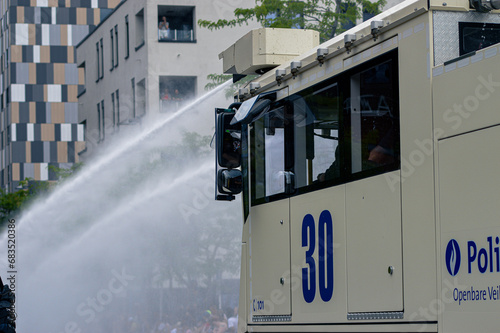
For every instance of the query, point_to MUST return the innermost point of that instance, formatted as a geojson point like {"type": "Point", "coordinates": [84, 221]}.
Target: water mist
{"type": "Point", "coordinates": [135, 237]}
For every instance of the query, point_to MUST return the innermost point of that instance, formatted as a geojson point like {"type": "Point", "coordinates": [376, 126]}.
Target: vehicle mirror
{"type": "Point", "coordinates": [228, 141]}
{"type": "Point", "coordinates": [230, 181]}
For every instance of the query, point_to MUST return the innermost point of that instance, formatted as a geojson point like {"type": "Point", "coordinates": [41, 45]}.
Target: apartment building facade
{"type": "Point", "coordinates": [39, 84]}
{"type": "Point", "coordinates": [149, 58]}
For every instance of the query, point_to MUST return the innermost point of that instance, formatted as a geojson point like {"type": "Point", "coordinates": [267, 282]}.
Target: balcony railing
{"type": "Point", "coordinates": [176, 35]}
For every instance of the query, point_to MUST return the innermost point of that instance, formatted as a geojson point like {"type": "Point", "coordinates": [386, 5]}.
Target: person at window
{"type": "Point", "coordinates": [177, 96]}
{"type": "Point", "coordinates": [163, 27]}
{"type": "Point", "coordinates": [333, 171]}
{"type": "Point", "coordinates": [165, 96]}
{"type": "Point", "coordinates": [376, 154]}
{"type": "Point", "coordinates": [165, 100]}
{"type": "Point", "coordinates": [383, 152]}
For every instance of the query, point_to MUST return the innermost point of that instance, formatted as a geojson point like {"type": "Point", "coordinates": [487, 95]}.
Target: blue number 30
{"type": "Point", "coordinates": [325, 257]}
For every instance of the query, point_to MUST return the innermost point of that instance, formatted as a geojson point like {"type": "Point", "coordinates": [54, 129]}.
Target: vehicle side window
{"type": "Point", "coordinates": [268, 153]}
{"type": "Point", "coordinates": [339, 130]}
{"type": "Point", "coordinates": [316, 134]}
{"type": "Point", "coordinates": [373, 117]}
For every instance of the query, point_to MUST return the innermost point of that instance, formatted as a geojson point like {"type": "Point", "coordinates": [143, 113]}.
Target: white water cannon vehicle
{"type": "Point", "coordinates": [369, 173]}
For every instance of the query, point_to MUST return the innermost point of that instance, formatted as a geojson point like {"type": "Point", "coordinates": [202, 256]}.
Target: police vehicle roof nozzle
{"type": "Point", "coordinates": [349, 39]}
{"type": "Point", "coordinates": [321, 53]}
{"type": "Point", "coordinates": [280, 74]}
{"type": "Point", "coordinates": [294, 67]}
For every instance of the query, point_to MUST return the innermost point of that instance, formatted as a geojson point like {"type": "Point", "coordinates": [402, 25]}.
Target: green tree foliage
{"type": "Point", "coordinates": [10, 203]}
{"type": "Point", "coordinates": [217, 79]}
{"type": "Point", "coordinates": [65, 173]}
{"type": "Point", "coordinates": [326, 16]}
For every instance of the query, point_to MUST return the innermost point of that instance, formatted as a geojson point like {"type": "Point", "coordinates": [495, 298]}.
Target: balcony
{"type": "Point", "coordinates": [176, 24]}
{"type": "Point", "coordinates": [184, 35]}
{"type": "Point", "coordinates": [175, 91]}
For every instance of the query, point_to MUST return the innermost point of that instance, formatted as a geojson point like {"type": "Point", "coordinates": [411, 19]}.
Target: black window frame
{"type": "Point", "coordinates": [127, 33]}
{"type": "Point", "coordinates": [140, 30]}
{"type": "Point", "coordinates": [288, 157]}
{"type": "Point", "coordinates": [117, 97]}
{"type": "Point", "coordinates": [101, 43]}
{"type": "Point", "coordinates": [98, 62]}
{"type": "Point", "coordinates": [389, 56]}
{"type": "Point", "coordinates": [103, 115]}
{"type": "Point", "coordinates": [344, 83]}
{"type": "Point", "coordinates": [99, 121]}
{"type": "Point", "coordinates": [111, 33]}
{"type": "Point", "coordinates": [116, 46]}
{"type": "Point", "coordinates": [133, 97]}
{"type": "Point", "coordinates": [113, 108]}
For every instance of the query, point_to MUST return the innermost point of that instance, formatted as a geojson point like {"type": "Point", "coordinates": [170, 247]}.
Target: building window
{"type": "Point", "coordinates": [81, 78]}
{"type": "Point", "coordinates": [102, 58]}
{"type": "Point", "coordinates": [113, 109]}
{"type": "Point", "coordinates": [175, 90]}
{"type": "Point", "coordinates": [127, 40]}
{"type": "Point", "coordinates": [112, 50]}
{"type": "Point", "coordinates": [176, 24]}
{"type": "Point", "coordinates": [141, 98]}
{"type": "Point", "coordinates": [98, 62]}
{"type": "Point", "coordinates": [116, 45]}
{"type": "Point", "coordinates": [84, 126]}
{"type": "Point", "coordinates": [133, 97]}
{"type": "Point", "coordinates": [102, 116]}
{"type": "Point", "coordinates": [6, 41]}
{"type": "Point", "coordinates": [99, 122]}
{"type": "Point", "coordinates": [139, 29]}
{"type": "Point", "coordinates": [117, 96]}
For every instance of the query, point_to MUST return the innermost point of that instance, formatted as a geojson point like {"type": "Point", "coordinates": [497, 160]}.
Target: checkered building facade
{"type": "Point", "coordinates": [40, 83]}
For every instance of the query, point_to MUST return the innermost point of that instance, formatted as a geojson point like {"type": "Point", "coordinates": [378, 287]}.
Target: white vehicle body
{"type": "Point", "coordinates": [409, 243]}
